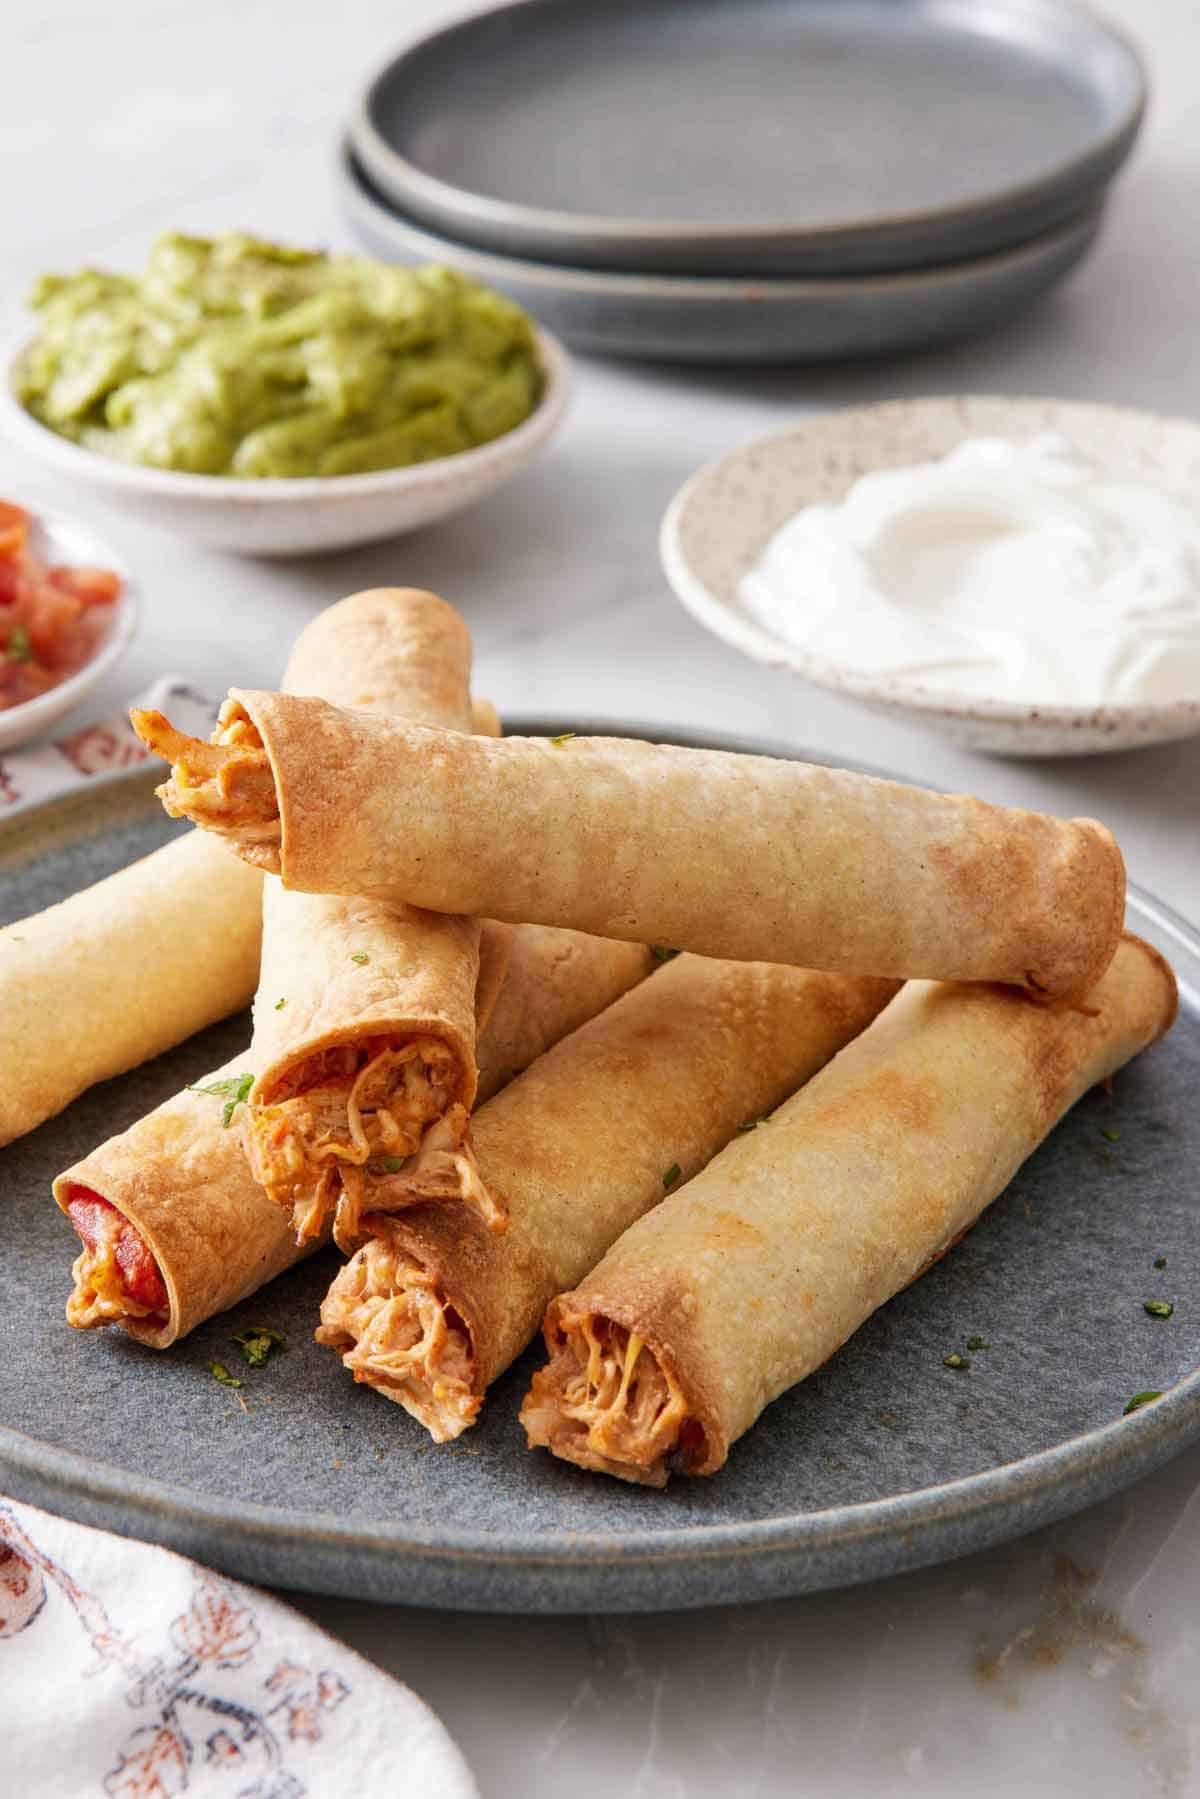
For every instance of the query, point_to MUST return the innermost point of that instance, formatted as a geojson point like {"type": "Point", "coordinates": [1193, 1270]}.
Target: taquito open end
{"type": "Point", "coordinates": [226, 786]}
{"type": "Point", "coordinates": [610, 1402]}
{"type": "Point", "coordinates": [388, 1318]}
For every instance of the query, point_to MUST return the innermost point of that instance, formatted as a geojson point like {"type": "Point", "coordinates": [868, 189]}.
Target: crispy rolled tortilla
{"type": "Point", "coordinates": [736, 856]}
{"type": "Point", "coordinates": [741, 1284]}
{"type": "Point", "coordinates": [556, 981]}
{"type": "Point", "coordinates": [120, 972]}
{"type": "Point", "coordinates": [364, 1021]}
{"type": "Point", "coordinates": [174, 1226]}
{"type": "Point", "coordinates": [434, 1306]}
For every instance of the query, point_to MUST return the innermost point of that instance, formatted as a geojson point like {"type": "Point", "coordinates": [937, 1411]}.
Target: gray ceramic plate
{"type": "Point", "coordinates": [753, 137]}
{"type": "Point", "coordinates": [883, 1460]}
{"type": "Point", "coordinates": [685, 318]}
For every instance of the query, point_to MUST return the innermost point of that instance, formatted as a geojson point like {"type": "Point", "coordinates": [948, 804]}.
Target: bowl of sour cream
{"type": "Point", "coordinates": [1020, 574]}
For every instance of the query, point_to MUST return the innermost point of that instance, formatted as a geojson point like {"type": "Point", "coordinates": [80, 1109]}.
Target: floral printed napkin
{"type": "Point", "coordinates": [97, 752]}
{"type": "Point", "coordinates": [128, 1672]}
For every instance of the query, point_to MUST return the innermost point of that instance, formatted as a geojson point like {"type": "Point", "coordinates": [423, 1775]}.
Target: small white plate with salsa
{"type": "Point", "coordinates": [68, 611]}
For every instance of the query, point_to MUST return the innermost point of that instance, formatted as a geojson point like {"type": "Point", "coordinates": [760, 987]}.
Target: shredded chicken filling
{"type": "Point", "coordinates": [607, 1402]}
{"type": "Point", "coordinates": [345, 1123]}
{"type": "Point", "coordinates": [226, 785]}
{"type": "Point", "coordinates": [388, 1319]}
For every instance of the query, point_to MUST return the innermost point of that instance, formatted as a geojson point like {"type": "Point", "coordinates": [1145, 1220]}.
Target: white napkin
{"type": "Point", "coordinates": [128, 1672]}
{"type": "Point", "coordinates": [98, 752]}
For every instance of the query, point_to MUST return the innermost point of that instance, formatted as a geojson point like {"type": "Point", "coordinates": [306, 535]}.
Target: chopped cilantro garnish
{"type": "Point", "coordinates": [19, 648]}
{"type": "Point", "coordinates": [1111, 1136]}
{"type": "Point", "coordinates": [671, 1176]}
{"type": "Point", "coordinates": [977, 1343]}
{"type": "Point", "coordinates": [563, 737]}
{"type": "Point", "coordinates": [280, 1004]}
{"type": "Point", "coordinates": [391, 1164]}
{"type": "Point", "coordinates": [220, 1372]}
{"type": "Point", "coordinates": [1141, 1399]}
{"type": "Point", "coordinates": [360, 955]}
{"type": "Point", "coordinates": [237, 1087]}
{"type": "Point", "coordinates": [256, 1345]}
{"type": "Point", "coordinates": [1160, 1261]}
{"type": "Point", "coordinates": [1158, 1308]}
{"type": "Point", "coordinates": [662, 952]}
{"type": "Point", "coordinates": [956, 1361]}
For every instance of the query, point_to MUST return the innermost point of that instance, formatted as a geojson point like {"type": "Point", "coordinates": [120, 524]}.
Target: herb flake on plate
{"type": "Point", "coordinates": [1141, 1399]}
{"type": "Point", "coordinates": [1158, 1308]}
{"type": "Point", "coordinates": [257, 1344]}
{"type": "Point", "coordinates": [220, 1372]}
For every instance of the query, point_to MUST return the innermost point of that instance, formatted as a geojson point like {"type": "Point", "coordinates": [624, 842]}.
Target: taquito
{"type": "Point", "coordinates": [434, 1306]}
{"type": "Point", "coordinates": [120, 972]}
{"type": "Point", "coordinates": [556, 981]}
{"type": "Point", "coordinates": [364, 1020]}
{"type": "Point", "coordinates": [174, 1226]}
{"type": "Point", "coordinates": [741, 1284]}
{"type": "Point", "coordinates": [747, 857]}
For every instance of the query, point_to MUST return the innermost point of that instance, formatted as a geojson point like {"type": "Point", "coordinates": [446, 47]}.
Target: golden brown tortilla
{"type": "Point", "coordinates": [751, 1276]}
{"type": "Point", "coordinates": [364, 1022]}
{"type": "Point", "coordinates": [735, 856]}
{"type": "Point", "coordinates": [434, 1305]}
{"type": "Point", "coordinates": [121, 971]}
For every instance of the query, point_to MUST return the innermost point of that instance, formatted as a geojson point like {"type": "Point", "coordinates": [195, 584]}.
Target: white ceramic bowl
{"type": "Point", "coordinates": [717, 526]}
{"type": "Point", "coordinates": [58, 539]}
{"type": "Point", "coordinates": [292, 517]}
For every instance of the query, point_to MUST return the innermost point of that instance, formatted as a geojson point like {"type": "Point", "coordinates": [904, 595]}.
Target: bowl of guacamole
{"type": "Point", "coordinates": [283, 399]}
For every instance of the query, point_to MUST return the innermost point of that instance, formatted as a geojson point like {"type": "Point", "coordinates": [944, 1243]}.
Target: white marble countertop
{"type": "Point", "coordinates": [1065, 1663]}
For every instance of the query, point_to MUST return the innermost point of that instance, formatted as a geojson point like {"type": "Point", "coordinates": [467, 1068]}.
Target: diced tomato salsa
{"type": "Point", "coordinates": [98, 1224]}
{"type": "Point", "coordinates": [52, 618]}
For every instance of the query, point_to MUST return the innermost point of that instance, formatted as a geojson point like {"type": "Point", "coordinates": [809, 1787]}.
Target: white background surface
{"type": "Point", "coordinates": [121, 121]}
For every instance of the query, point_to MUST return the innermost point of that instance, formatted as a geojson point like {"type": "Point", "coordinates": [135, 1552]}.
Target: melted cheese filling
{"type": "Point", "coordinates": [226, 785]}
{"type": "Point", "coordinates": [99, 1295]}
{"type": "Point", "coordinates": [606, 1402]}
{"type": "Point", "coordinates": [389, 1321]}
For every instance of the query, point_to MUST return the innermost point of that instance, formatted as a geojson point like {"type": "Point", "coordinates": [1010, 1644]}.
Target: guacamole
{"type": "Point", "coordinates": [236, 357]}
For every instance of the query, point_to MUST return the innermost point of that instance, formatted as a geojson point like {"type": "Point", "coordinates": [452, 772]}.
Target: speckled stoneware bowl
{"type": "Point", "coordinates": [311, 513]}
{"type": "Point", "coordinates": [718, 525]}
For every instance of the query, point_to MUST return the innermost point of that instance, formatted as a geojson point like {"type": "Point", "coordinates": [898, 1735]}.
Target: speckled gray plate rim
{"type": "Point", "coordinates": [603, 164]}
{"type": "Point", "coordinates": [518, 1566]}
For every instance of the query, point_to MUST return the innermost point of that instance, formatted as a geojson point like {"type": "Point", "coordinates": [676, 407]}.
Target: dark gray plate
{"type": "Point", "coordinates": [701, 318]}
{"type": "Point", "coordinates": [881, 1461]}
{"type": "Point", "coordinates": [753, 137]}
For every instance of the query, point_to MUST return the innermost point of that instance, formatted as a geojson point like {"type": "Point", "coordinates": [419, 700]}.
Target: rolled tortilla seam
{"type": "Point", "coordinates": [180, 1190]}
{"type": "Point", "coordinates": [750, 1277]}
{"type": "Point", "coordinates": [364, 1020]}
{"type": "Point", "coordinates": [122, 971]}
{"type": "Point", "coordinates": [433, 1306]}
{"type": "Point", "coordinates": [747, 857]}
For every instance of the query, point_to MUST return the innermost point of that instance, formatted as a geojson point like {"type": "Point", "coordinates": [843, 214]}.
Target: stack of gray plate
{"type": "Point", "coordinates": [749, 180]}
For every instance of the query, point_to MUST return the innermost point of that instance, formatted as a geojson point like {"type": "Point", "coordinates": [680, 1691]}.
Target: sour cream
{"type": "Point", "coordinates": [1014, 571]}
